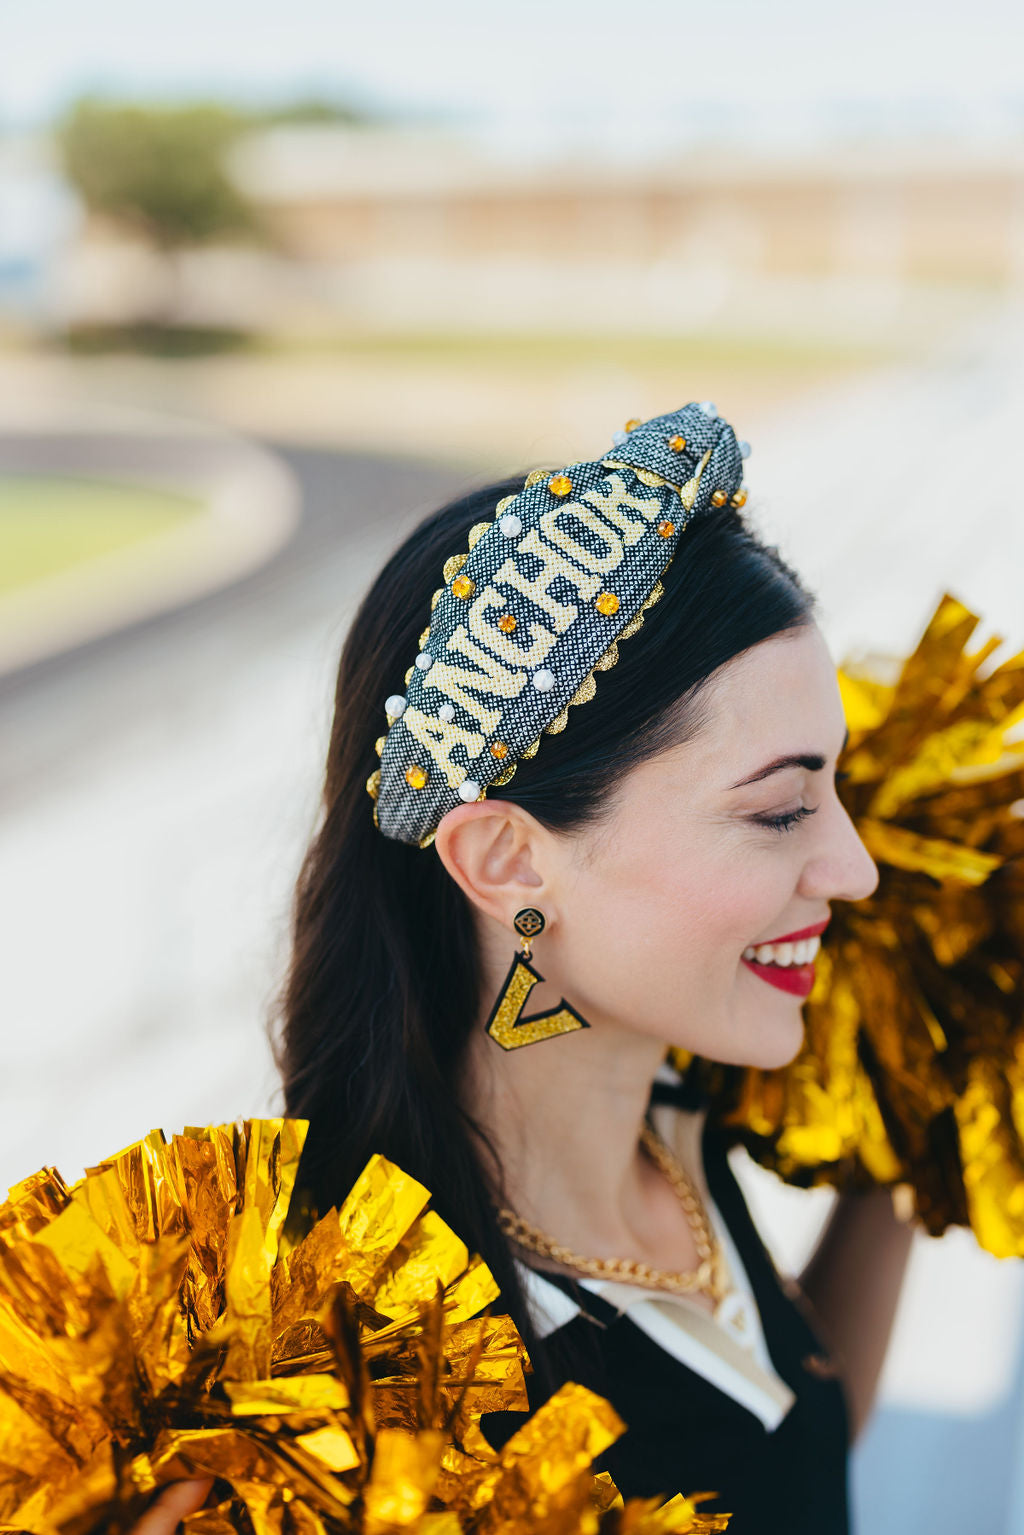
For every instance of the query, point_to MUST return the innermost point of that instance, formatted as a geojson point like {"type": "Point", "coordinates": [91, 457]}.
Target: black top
{"type": "Point", "coordinates": [685, 1434]}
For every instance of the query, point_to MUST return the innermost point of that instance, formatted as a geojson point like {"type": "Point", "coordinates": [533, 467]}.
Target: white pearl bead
{"type": "Point", "coordinates": [544, 680]}
{"type": "Point", "coordinates": [618, 438]}
{"type": "Point", "coordinates": [424, 660]}
{"type": "Point", "coordinates": [709, 407]}
{"type": "Point", "coordinates": [510, 525]}
{"type": "Point", "coordinates": [469, 790]}
{"type": "Point", "coordinates": [394, 706]}
{"type": "Point", "coordinates": [446, 713]}
{"type": "Point", "coordinates": [744, 448]}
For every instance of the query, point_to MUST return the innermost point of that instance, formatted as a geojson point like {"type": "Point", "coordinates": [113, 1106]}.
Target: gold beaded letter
{"type": "Point", "coordinates": [739, 498]}
{"type": "Point", "coordinates": [677, 443]}
{"type": "Point", "coordinates": [464, 587]}
{"type": "Point", "coordinates": [499, 749]}
{"type": "Point", "coordinates": [560, 485]}
{"type": "Point", "coordinates": [719, 497]}
{"type": "Point", "coordinates": [416, 776]}
{"type": "Point", "coordinates": [506, 623]}
{"type": "Point", "coordinates": [666, 528]}
{"type": "Point", "coordinates": [606, 603]}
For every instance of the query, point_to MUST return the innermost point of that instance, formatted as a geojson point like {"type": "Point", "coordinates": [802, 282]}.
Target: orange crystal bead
{"type": "Point", "coordinates": [560, 485]}
{"type": "Point", "coordinates": [506, 623]}
{"type": "Point", "coordinates": [739, 498]}
{"type": "Point", "coordinates": [499, 749]}
{"type": "Point", "coordinates": [633, 423]}
{"type": "Point", "coordinates": [606, 603]}
{"type": "Point", "coordinates": [416, 776]}
{"type": "Point", "coordinates": [666, 527]}
{"type": "Point", "coordinates": [464, 587]}
{"type": "Point", "coordinates": [677, 443]}
{"type": "Point", "coordinates": [719, 497]}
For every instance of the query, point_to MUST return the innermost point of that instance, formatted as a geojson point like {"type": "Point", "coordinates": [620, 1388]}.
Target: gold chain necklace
{"type": "Point", "coordinates": [705, 1279]}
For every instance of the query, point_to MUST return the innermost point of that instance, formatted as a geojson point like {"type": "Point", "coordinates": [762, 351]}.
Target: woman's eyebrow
{"type": "Point", "coordinates": [811, 761]}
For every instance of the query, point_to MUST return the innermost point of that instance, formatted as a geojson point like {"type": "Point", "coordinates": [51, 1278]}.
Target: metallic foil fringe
{"type": "Point", "coordinates": [162, 1319]}
{"type": "Point", "coordinates": [913, 1066]}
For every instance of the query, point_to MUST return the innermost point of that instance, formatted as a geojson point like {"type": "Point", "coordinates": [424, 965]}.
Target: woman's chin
{"type": "Point", "coordinates": [769, 1044]}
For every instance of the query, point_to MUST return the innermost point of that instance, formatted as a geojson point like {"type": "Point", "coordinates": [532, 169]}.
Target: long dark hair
{"type": "Point", "coordinates": [383, 988]}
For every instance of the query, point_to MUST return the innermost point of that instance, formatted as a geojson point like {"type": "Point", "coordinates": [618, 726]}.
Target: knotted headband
{"type": "Point", "coordinates": [536, 608]}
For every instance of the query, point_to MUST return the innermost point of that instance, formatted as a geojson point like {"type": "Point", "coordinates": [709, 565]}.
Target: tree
{"type": "Point", "coordinates": [159, 168]}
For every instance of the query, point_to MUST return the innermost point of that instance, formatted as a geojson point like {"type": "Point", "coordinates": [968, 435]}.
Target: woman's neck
{"type": "Point", "coordinates": [564, 1116]}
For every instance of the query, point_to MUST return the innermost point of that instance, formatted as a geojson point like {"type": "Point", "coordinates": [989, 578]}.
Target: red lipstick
{"type": "Point", "coordinates": [805, 932]}
{"type": "Point", "coordinates": [798, 980]}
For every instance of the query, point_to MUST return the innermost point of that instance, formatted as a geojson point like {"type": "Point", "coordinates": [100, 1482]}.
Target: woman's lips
{"type": "Point", "coordinates": [805, 932]}
{"type": "Point", "coordinates": [798, 980]}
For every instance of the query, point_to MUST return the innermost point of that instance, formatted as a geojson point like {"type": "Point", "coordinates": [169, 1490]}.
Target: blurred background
{"type": "Point", "coordinates": [273, 282]}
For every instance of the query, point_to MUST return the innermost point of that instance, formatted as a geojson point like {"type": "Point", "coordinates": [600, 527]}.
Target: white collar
{"type": "Point", "coordinates": [730, 1352]}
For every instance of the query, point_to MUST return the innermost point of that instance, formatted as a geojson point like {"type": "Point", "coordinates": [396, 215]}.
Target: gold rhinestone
{"type": "Point", "coordinates": [719, 497]}
{"type": "Point", "coordinates": [463, 587]}
{"type": "Point", "coordinates": [739, 498]}
{"type": "Point", "coordinates": [560, 485]}
{"type": "Point", "coordinates": [677, 443]}
{"type": "Point", "coordinates": [666, 527]}
{"type": "Point", "coordinates": [506, 623]}
{"type": "Point", "coordinates": [416, 776]}
{"type": "Point", "coordinates": [606, 603]}
{"type": "Point", "coordinates": [633, 423]}
{"type": "Point", "coordinates": [499, 749]}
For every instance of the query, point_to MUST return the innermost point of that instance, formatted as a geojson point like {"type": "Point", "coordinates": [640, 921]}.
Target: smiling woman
{"type": "Point", "coordinates": [646, 794]}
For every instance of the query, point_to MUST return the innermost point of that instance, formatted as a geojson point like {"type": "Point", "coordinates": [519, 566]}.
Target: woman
{"type": "Point", "coordinates": [680, 819]}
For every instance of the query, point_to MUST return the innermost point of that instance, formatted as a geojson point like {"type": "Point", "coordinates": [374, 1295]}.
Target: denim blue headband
{"type": "Point", "coordinates": [535, 609]}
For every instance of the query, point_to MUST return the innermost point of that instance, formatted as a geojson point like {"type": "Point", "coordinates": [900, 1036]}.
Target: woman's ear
{"type": "Point", "coordinates": [499, 856]}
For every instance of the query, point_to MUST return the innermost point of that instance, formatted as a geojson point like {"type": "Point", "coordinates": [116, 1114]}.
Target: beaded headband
{"type": "Point", "coordinates": [536, 608]}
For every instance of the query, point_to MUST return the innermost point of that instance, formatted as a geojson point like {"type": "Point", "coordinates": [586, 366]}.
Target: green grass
{"type": "Point", "coordinates": [49, 523]}
{"type": "Point", "coordinates": [532, 349]}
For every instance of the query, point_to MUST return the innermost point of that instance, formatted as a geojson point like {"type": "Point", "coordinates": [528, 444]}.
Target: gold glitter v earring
{"type": "Point", "coordinates": [506, 1025]}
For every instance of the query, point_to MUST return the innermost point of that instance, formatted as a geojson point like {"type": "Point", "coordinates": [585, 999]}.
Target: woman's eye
{"type": "Point", "coordinates": [788, 819]}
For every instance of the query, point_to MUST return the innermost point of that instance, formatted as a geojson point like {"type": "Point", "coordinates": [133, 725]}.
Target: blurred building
{"type": "Point", "coordinates": [375, 230]}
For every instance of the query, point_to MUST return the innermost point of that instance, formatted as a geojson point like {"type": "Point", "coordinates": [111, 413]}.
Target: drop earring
{"type": "Point", "coordinates": [506, 1025]}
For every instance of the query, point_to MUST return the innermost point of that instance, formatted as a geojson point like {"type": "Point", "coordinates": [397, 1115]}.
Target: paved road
{"type": "Point", "coordinates": [156, 790]}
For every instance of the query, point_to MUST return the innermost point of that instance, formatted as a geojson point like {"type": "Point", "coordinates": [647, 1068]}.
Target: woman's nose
{"type": "Point", "coordinates": [841, 867]}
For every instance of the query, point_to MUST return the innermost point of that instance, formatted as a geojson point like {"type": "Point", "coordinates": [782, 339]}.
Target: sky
{"type": "Point", "coordinates": [628, 67]}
